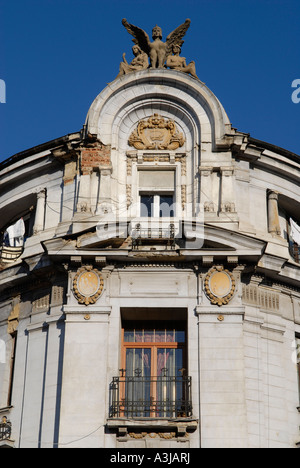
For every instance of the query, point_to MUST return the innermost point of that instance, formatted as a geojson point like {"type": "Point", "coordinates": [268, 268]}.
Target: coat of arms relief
{"type": "Point", "coordinates": [156, 133]}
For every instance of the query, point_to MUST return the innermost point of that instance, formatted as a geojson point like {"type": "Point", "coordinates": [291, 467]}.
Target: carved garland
{"type": "Point", "coordinates": [88, 285]}
{"type": "Point", "coordinates": [219, 286]}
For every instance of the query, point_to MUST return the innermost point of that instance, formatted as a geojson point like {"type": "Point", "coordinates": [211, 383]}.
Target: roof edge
{"type": "Point", "coordinates": [39, 148]}
{"type": "Point", "coordinates": [276, 149]}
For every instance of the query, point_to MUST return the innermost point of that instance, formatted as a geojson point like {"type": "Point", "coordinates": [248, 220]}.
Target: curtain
{"type": "Point", "coordinates": [169, 387]}
{"type": "Point", "coordinates": [138, 385]}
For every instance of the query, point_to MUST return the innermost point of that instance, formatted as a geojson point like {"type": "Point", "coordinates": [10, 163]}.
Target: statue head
{"type": "Point", "coordinates": [156, 32]}
{"type": "Point", "coordinates": [136, 50]}
{"type": "Point", "coordinates": [176, 49]}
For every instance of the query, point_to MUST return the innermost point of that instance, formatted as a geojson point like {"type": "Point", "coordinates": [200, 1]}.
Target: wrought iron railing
{"type": "Point", "coordinates": [153, 232]}
{"type": "Point", "coordinates": [5, 429]}
{"type": "Point", "coordinates": [151, 397]}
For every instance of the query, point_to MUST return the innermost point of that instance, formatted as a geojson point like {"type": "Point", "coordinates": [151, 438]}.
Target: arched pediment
{"type": "Point", "coordinates": [217, 242]}
{"type": "Point", "coordinates": [135, 96]}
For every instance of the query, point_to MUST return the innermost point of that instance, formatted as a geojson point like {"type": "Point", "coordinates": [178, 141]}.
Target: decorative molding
{"type": "Point", "coordinates": [57, 296]}
{"type": "Point", "coordinates": [88, 285]}
{"type": "Point", "coordinates": [156, 133]}
{"type": "Point", "coordinates": [41, 303]}
{"type": "Point", "coordinates": [253, 295]}
{"type": "Point", "coordinates": [219, 286]}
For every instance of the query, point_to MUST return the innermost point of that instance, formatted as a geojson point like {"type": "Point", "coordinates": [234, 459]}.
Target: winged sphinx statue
{"type": "Point", "coordinates": [159, 52]}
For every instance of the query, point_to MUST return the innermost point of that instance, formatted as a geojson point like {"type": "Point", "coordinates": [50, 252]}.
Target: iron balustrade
{"type": "Point", "coordinates": [151, 397]}
{"type": "Point", "coordinates": [157, 233]}
{"type": "Point", "coordinates": [5, 429]}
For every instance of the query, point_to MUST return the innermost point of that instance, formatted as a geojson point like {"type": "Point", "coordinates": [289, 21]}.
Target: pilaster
{"type": "Point", "coordinates": [273, 215]}
{"type": "Point", "coordinates": [40, 212]}
{"type": "Point", "coordinates": [84, 406]}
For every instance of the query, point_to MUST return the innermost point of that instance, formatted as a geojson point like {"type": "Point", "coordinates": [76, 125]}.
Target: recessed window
{"type": "Point", "coordinates": [154, 380]}
{"type": "Point", "coordinates": [294, 239]}
{"type": "Point", "coordinates": [157, 194]}
{"type": "Point", "coordinates": [157, 206]}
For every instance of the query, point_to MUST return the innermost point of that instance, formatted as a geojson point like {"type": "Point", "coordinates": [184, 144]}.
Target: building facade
{"type": "Point", "coordinates": [150, 278]}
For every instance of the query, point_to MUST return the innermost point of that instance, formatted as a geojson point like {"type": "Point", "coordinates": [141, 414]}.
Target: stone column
{"type": "Point", "coordinates": [40, 212]}
{"type": "Point", "coordinates": [227, 190]}
{"type": "Point", "coordinates": [273, 215]}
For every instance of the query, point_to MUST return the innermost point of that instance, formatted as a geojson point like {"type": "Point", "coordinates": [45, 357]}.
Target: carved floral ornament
{"type": "Point", "coordinates": [88, 285]}
{"type": "Point", "coordinates": [156, 133]}
{"type": "Point", "coordinates": [219, 286]}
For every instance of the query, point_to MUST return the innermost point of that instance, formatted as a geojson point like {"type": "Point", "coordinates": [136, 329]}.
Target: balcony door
{"type": "Point", "coordinates": [154, 369]}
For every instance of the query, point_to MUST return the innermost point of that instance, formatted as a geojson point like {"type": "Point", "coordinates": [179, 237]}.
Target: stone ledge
{"type": "Point", "coordinates": [180, 426]}
{"type": "Point", "coordinates": [7, 443]}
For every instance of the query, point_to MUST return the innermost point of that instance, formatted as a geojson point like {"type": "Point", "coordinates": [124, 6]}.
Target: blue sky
{"type": "Point", "coordinates": [57, 56]}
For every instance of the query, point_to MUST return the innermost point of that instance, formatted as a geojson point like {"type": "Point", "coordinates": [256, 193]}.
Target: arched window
{"type": "Point", "coordinates": [14, 234]}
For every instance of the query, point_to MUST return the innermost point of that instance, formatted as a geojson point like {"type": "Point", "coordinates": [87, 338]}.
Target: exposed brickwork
{"type": "Point", "coordinates": [92, 158]}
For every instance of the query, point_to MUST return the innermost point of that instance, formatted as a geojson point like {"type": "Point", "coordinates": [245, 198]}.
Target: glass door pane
{"type": "Point", "coordinates": [169, 387]}
{"type": "Point", "coordinates": [147, 206]}
{"type": "Point", "coordinates": [166, 206]}
{"type": "Point", "coordinates": [137, 384]}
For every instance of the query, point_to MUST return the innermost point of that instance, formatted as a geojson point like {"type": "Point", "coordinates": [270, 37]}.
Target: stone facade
{"type": "Point", "coordinates": [221, 264]}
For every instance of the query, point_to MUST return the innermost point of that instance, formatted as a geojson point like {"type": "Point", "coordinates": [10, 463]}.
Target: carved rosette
{"type": "Point", "coordinates": [219, 286]}
{"type": "Point", "coordinates": [156, 133]}
{"type": "Point", "coordinates": [88, 285]}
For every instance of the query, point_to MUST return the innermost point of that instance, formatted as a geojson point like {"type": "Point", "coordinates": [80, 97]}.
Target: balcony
{"type": "Point", "coordinates": [9, 254]}
{"type": "Point", "coordinates": [153, 232]}
{"type": "Point", "coordinates": [5, 429]}
{"type": "Point", "coordinates": [151, 397]}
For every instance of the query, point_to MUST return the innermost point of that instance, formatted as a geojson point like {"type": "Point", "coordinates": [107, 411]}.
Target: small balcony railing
{"type": "Point", "coordinates": [10, 254]}
{"type": "Point", "coordinates": [151, 397]}
{"type": "Point", "coordinates": [5, 429]}
{"type": "Point", "coordinates": [155, 232]}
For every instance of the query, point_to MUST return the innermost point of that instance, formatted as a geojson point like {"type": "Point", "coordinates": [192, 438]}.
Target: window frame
{"type": "Point", "coordinates": [154, 346]}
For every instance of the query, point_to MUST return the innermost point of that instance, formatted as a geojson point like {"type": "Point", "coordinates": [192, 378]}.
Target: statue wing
{"type": "Point", "coordinates": [176, 36]}
{"type": "Point", "coordinates": [140, 37]}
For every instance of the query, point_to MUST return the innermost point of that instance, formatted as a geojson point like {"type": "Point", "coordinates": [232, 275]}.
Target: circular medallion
{"type": "Point", "coordinates": [219, 286]}
{"type": "Point", "coordinates": [220, 283]}
{"type": "Point", "coordinates": [88, 285]}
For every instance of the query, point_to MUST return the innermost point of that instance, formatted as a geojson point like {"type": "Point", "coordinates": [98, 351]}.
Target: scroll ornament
{"type": "Point", "coordinates": [156, 133]}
